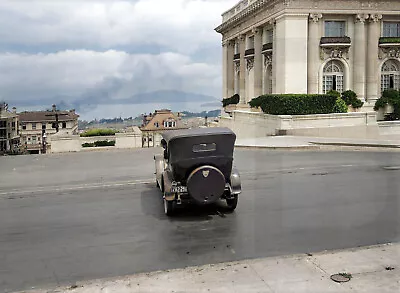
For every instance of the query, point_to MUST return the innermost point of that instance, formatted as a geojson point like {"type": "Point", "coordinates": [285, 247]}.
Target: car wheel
{"type": "Point", "coordinates": [232, 203]}
{"type": "Point", "coordinates": [169, 207]}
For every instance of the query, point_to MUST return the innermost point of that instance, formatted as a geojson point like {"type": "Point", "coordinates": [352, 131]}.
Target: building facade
{"type": "Point", "coordinates": [310, 46]}
{"type": "Point", "coordinates": [9, 132]}
{"type": "Point", "coordinates": [37, 126]}
{"type": "Point", "coordinates": [156, 123]}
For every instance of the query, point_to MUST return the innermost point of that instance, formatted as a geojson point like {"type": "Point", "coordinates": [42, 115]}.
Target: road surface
{"type": "Point", "coordinates": [71, 217]}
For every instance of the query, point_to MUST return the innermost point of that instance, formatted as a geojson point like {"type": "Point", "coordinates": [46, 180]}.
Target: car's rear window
{"type": "Point", "coordinates": [204, 147]}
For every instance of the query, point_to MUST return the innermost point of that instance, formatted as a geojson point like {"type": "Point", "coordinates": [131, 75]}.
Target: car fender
{"type": "Point", "coordinates": [236, 185]}
{"type": "Point", "coordinates": [159, 168]}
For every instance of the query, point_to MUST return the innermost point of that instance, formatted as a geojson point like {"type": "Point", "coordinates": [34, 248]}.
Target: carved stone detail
{"type": "Point", "coordinates": [375, 17]}
{"type": "Point", "coordinates": [249, 64]}
{"type": "Point", "coordinates": [237, 66]}
{"type": "Point", "coordinates": [315, 17]}
{"type": "Point", "coordinates": [334, 52]}
{"type": "Point", "coordinates": [389, 52]}
{"type": "Point", "coordinates": [361, 17]}
{"type": "Point", "coordinates": [257, 30]}
{"type": "Point", "coordinates": [286, 2]}
{"type": "Point", "coordinates": [267, 60]}
{"type": "Point", "coordinates": [272, 22]}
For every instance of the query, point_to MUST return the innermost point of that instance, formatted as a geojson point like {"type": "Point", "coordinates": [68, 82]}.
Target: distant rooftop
{"type": "Point", "coordinates": [47, 116]}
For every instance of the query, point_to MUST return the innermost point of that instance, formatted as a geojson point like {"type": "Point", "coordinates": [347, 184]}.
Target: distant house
{"type": "Point", "coordinates": [36, 126]}
{"type": "Point", "coordinates": [157, 122]}
{"type": "Point", "coordinates": [9, 133]}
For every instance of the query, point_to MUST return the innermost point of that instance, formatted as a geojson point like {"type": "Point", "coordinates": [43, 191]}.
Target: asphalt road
{"type": "Point", "coordinates": [71, 217]}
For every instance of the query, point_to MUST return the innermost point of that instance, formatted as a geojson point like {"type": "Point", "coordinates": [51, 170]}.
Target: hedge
{"type": "Point", "coordinates": [98, 132]}
{"type": "Point", "coordinates": [299, 104]}
{"type": "Point", "coordinates": [391, 97]}
{"type": "Point", "coordinates": [232, 100]}
{"type": "Point", "coordinates": [99, 143]}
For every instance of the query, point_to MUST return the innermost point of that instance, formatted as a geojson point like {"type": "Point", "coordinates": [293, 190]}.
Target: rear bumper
{"type": "Point", "coordinates": [185, 196]}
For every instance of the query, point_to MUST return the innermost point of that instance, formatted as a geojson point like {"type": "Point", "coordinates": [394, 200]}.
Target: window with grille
{"type": "Point", "coordinates": [335, 28]}
{"type": "Point", "coordinates": [333, 77]}
{"type": "Point", "coordinates": [390, 75]}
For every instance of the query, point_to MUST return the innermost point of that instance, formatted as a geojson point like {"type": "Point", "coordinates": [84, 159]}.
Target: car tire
{"type": "Point", "coordinates": [169, 207]}
{"type": "Point", "coordinates": [232, 203]}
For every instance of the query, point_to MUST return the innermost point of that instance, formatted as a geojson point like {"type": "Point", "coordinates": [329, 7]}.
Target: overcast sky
{"type": "Point", "coordinates": [60, 48]}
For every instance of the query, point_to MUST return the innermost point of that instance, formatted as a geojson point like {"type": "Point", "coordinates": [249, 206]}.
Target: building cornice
{"type": "Point", "coordinates": [253, 7]}
{"type": "Point", "coordinates": [250, 8]}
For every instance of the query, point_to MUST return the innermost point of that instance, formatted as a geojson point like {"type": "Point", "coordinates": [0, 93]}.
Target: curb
{"type": "Point", "coordinates": [310, 147]}
{"type": "Point", "coordinates": [370, 145]}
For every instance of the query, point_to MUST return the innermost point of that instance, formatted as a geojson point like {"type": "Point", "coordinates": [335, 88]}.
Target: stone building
{"type": "Point", "coordinates": [156, 123]}
{"type": "Point", "coordinates": [9, 132]}
{"type": "Point", "coordinates": [37, 126]}
{"type": "Point", "coordinates": [310, 46]}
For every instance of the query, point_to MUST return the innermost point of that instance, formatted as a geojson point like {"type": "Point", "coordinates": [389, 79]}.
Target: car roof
{"type": "Point", "coordinates": [193, 132]}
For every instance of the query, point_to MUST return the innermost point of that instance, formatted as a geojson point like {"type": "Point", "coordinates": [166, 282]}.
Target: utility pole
{"type": "Point", "coordinates": [56, 114]}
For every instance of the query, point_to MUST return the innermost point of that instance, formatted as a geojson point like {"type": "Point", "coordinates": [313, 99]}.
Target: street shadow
{"type": "Point", "coordinates": [153, 205]}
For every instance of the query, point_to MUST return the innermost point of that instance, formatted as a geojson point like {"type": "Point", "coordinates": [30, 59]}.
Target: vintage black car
{"type": "Point", "coordinates": [197, 167]}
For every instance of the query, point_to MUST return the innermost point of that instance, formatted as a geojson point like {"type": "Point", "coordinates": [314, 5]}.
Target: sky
{"type": "Point", "coordinates": [66, 49]}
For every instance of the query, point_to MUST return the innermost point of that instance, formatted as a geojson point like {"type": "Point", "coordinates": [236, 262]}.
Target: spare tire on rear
{"type": "Point", "coordinates": [206, 184]}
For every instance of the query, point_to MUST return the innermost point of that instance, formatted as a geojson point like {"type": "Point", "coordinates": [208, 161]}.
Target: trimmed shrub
{"type": "Point", "coordinates": [98, 132]}
{"type": "Point", "coordinates": [256, 102]}
{"type": "Point", "coordinates": [296, 104]}
{"type": "Point", "coordinates": [232, 100]}
{"type": "Point", "coordinates": [351, 99]}
{"type": "Point", "coordinates": [340, 106]}
{"type": "Point", "coordinates": [99, 143]}
{"type": "Point", "coordinates": [333, 93]}
{"type": "Point", "coordinates": [391, 97]}
{"type": "Point", "coordinates": [87, 145]}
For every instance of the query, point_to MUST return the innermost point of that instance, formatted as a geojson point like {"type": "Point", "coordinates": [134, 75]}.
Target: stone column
{"type": "Point", "coordinates": [359, 68]}
{"type": "Point", "coordinates": [313, 53]}
{"type": "Point", "coordinates": [242, 77]}
{"type": "Point", "coordinates": [372, 51]}
{"type": "Point", "coordinates": [230, 69]}
{"type": "Point", "coordinates": [225, 70]}
{"type": "Point", "coordinates": [258, 62]}
{"type": "Point", "coordinates": [274, 66]}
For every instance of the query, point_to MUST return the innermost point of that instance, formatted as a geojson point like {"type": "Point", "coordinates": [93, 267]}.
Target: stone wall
{"type": "Point", "coordinates": [128, 140]}
{"type": "Point", "coordinates": [73, 143]}
{"type": "Point", "coordinates": [247, 124]}
{"type": "Point", "coordinates": [64, 143]}
{"type": "Point", "coordinates": [389, 129]}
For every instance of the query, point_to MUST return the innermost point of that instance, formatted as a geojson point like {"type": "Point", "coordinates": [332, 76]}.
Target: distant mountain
{"type": "Point", "coordinates": [169, 96]}
{"type": "Point", "coordinates": [161, 96]}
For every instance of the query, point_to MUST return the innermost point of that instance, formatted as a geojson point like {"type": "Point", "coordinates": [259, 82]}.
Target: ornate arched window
{"type": "Point", "coordinates": [390, 75]}
{"type": "Point", "coordinates": [332, 76]}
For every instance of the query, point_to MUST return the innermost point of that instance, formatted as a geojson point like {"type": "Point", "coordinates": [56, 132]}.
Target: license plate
{"type": "Point", "coordinates": [175, 189]}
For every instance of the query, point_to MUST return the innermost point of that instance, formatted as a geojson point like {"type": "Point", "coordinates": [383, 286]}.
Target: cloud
{"type": "Point", "coordinates": [74, 73]}
{"type": "Point", "coordinates": [183, 26]}
{"type": "Point", "coordinates": [108, 49]}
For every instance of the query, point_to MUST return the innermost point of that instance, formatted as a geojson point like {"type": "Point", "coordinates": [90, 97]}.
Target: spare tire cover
{"type": "Point", "coordinates": [206, 184]}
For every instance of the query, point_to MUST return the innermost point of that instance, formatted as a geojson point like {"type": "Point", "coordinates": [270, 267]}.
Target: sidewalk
{"type": "Point", "coordinates": [372, 269]}
{"type": "Point", "coordinates": [315, 143]}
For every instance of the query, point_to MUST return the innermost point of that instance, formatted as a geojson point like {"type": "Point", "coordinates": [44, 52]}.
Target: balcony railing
{"type": "Point", "coordinates": [267, 47]}
{"type": "Point", "coordinates": [335, 40]}
{"type": "Point", "coordinates": [249, 52]}
{"type": "Point", "coordinates": [389, 41]}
